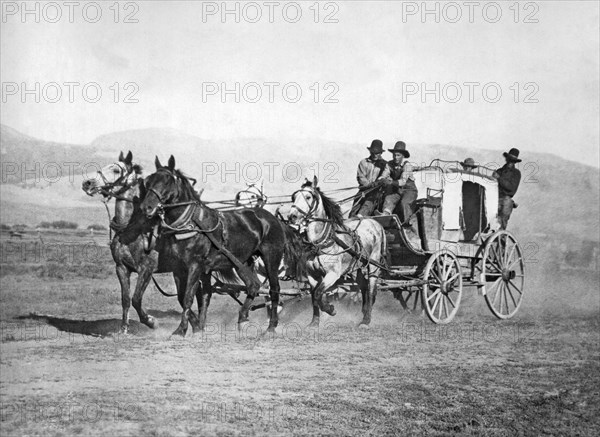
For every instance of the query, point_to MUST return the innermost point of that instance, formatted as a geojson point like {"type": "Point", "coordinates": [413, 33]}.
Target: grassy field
{"type": "Point", "coordinates": [65, 369]}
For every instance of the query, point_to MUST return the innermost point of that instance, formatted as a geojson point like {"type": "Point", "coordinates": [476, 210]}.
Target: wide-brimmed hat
{"type": "Point", "coordinates": [400, 146]}
{"type": "Point", "coordinates": [376, 147]}
{"type": "Point", "coordinates": [512, 155]}
{"type": "Point", "coordinates": [469, 163]}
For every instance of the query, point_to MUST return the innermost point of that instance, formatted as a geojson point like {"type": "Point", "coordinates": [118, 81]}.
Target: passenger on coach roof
{"type": "Point", "coordinates": [469, 164]}
{"type": "Point", "coordinates": [372, 174]}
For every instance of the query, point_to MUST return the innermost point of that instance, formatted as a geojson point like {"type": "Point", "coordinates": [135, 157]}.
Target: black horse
{"type": "Point", "coordinates": [199, 240]}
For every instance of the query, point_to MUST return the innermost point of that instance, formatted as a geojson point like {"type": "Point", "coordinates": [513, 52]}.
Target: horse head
{"type": "Point", "coordinates": [161, 187]}
{"type": "Point", "coordinates": [307, 205]}
{"type": "Point", "coordinates": [165, 187]}
{"type": "Point", "coordinates": [113, 178]}
{"type": "Point", "coordinates": [251, 197]}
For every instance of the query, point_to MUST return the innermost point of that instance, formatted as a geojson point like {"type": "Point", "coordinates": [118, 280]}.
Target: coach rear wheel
{"type": "Point", "coordinates": [502, 274]}
{"type": "Point", "coordinates": [442, 289]}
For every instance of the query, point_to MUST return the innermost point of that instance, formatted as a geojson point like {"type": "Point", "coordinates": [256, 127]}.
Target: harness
{"type": "Point", "coordinates": [108, 193]}
{"type": "Point", "coordinates": [190, 222]}
{"type": "Point", "coordinates": [329, 237]}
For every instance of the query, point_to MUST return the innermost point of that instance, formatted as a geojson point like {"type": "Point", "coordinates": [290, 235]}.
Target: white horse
{"type": "Point", "coordinates": [251, 197]}
{"type": "Point", "coordinates": [337, 248]}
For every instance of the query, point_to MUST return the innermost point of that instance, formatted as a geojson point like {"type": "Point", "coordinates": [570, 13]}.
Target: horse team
{"type": "Point", "coordinates": [162, 226]}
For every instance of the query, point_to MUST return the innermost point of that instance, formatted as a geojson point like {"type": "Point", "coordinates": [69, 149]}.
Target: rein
{"type": "Point", "coordinates": [185, 222]}
{"type": "Point", "coordinates": [312, 208]}
{"type": "Point", "coordinates": [107, 191]}
{"type": "Point", "coordinates": [329, 232]}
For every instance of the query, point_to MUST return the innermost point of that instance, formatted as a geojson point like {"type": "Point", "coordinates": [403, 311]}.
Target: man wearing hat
{"type": "Point", "coordinates": [508, 177]}
{"type": "Point", "coordinates": [402, 188]}
{"type": "Point", "coordinates": [469, 164]}
{"type": "Point", "coordinates": [372, 174]}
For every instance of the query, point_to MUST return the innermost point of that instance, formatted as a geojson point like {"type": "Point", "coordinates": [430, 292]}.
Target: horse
{"type": "Point", "coordinates": [123, 181]}
{"type": "Point", "coordinates": [337, 248]}
{"type": "Point", "coordinates": [251, 197]}
{"type": "Point", "coordinates": [200, 240]}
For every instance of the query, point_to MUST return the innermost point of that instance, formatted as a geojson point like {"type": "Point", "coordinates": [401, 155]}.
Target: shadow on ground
{"type": "Point", "coordinates": [97, 328]}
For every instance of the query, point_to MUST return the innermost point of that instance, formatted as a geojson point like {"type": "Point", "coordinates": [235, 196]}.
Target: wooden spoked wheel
{"type": "Point", "coordinates": [443, 285]}
{"type": "Point", "coordinates": [502, 274]}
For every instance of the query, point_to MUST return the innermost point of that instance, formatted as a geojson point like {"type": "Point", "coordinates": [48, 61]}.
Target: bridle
{"type": "Point", "coordinates": [107, 190]}
{"type": "Point", "coordinates": [308, 217]}
{"type": "Point", "coordinates": [255, 195]}
{"type": "Point", "coordinates": [328, 235]}
{"type": "Point", "coordinates": [162, 203]}
{"type": "Point", "coordinates": [185, 221]}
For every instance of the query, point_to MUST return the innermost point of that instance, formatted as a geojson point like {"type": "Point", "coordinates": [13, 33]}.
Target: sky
{"type": "Point", "coordinates": [523, 76]}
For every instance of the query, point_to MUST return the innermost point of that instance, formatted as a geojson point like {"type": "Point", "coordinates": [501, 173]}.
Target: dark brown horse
{"type": "Point", "coordinates": [199, 240]}
{"type": "Point", "coordinates": [123, 181]}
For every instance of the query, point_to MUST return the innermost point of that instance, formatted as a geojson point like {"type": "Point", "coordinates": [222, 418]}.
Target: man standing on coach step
{"type": "Point", "coordinates": [372, 174]}
{"type": "Point", "coordinates": [508, 177]}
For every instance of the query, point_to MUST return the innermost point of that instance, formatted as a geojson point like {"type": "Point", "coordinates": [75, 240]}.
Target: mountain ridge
{"type": "Point", "coordinates": [563, 194]}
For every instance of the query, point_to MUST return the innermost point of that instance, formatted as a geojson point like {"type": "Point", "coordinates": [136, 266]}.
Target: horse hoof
{"type": "Point", "coordinates": [363, 325]}
{"type": "Point", "coordinates": [178, 333]}
{"type": "Point", "coordinates": [313, 325]}
{"type": "Point", "coordinates": [242, 324]}
{"type": "Point", "coordinates": [125, 329]}
{"type": "Point", "coordinates": [151, 322]}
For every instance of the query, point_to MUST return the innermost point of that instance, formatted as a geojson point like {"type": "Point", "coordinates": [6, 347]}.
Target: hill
{"type": "Point", "coordinates": [558, 198]}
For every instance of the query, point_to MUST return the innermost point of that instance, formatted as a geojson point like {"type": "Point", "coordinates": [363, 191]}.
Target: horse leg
{"type": "Point", "coordinates": [369, 300]}
{"type": "Point", "coordinates": [124, 274]}
{"type": "Point", "coordinates": [180, 278]}
{"type": "Point", "coordinates": [203, 295]}
{"type": "Point", "coordinates": [316, 311]}
{"type": "Point", "coordinates": [363, 284]}
{"type": "Point", "coordinates": [252, 287]}
{"type": "Point", "coordinates": [193, 275]}
{"type": "Point", "coordinates": [180, 283]}
{"type": "Point", "coordinates": [272, 262]}
{"type": "Point", "coordinates": [326, 283]}
{"type": "Point", "coordinates": [144, 275]}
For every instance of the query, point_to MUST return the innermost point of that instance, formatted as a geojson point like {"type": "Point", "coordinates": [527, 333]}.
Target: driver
{"type": "Point", "coordinates": [372, 174]}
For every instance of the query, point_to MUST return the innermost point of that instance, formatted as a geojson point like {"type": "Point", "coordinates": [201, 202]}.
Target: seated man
{"type": "Point", "coordinates": [509, 178]}
{"type": "Point", "coordinates": [402, 187]}
{"type": "Point", "coordinates": [372, 174]}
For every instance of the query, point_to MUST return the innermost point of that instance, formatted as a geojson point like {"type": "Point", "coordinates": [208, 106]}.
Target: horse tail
{"type": "Point", "coordinates": [293, 253]}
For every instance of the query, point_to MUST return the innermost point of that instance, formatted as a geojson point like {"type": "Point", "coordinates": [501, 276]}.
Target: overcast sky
{"type": "Point", "coordinates": [370, 59]}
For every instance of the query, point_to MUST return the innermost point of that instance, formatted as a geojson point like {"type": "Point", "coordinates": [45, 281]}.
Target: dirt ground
{"type": "Point", "coordinates": [65, 369]}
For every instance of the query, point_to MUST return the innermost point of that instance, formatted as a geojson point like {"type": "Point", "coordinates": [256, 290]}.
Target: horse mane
{"type": "Point", "coordinates": [331, 207]}
{"type": "Point", "coordinates": [188, 188]}
{"type": "Point", "coordinates": [186, 185]}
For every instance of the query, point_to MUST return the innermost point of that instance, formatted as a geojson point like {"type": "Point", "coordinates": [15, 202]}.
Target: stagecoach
{"type": "Point", "coordinates": [459, 244]}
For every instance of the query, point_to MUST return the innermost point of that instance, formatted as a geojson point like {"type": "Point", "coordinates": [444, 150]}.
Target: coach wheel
{"type": "Point", "coordinates": [442, 289]}
{"type": "Point", "coordinates": [502, 274]}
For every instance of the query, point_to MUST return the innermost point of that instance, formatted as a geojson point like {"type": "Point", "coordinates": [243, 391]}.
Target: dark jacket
{"type": "Point", "coordinates": [508, 181]}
